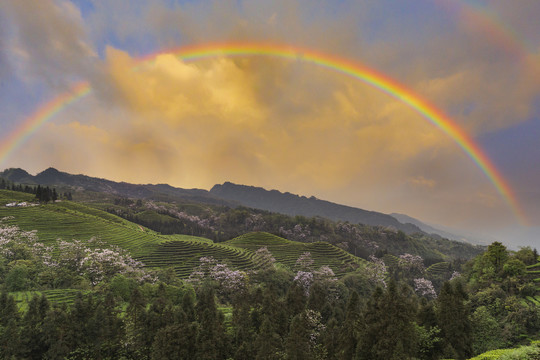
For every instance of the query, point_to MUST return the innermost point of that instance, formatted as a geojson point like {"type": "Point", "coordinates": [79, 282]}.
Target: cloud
{"type": "Point", "coordinates": [49, 41]}
{"type": "Point", "coordinates": [272, 122]}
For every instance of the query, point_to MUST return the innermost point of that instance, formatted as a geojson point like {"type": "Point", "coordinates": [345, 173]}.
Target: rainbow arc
{"type": "Point", "coordinates": [339, 64]}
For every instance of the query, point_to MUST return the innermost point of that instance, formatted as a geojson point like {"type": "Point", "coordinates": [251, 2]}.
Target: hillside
{"type": "Point", "coordinates": [441, 231]}
{"type": "Point", "coordinates": [69, 220]}
{"type": "Point", "coordinates": [290, 204]}
{"type": "Point", "coordinates": [227, 194]}
{"type": "Point", "coordinates": [53, 177]}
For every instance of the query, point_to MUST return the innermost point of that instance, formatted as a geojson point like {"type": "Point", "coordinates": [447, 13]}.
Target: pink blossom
{"type": "Point", "coordinates": [424, 287]}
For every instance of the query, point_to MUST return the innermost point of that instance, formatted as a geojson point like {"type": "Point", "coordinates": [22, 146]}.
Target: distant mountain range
{"type": "Point", "coordinates": [231, 195]}
{"type": "Point", "coordinates": [440, 230]}
{"type": "Point", "coordinates": [290, 204]}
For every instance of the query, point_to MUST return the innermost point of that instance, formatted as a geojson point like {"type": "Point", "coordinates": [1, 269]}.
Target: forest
{"type": "Point", "coordinates": [122, 310]}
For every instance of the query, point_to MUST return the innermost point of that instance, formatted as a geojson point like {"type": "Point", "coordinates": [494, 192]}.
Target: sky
{"type": "Point", "coordinates": [286, 124]}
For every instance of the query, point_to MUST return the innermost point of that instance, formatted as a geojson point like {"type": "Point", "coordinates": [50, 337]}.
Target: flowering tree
{"type": "Point", "coordinates": [425, 288]}
{"type": "Point", "coordinates": [455, 274]}
{"type": "Point", "coordinates": [306, 276]}
{"type": "Point", "coordinates": [226, 280]}
{"type": "Point", "coordinates": [376, 270]}
{"type": "Point", "coordinates": [206, 223]}
{"type": "Point", "coordinates": [265, 258]}
{"type": "Point", "coordinates": [92, 259]}
{"type": "Point", "coordinates": [304, 262]}
{"type": "Point", "coordinates": [411, 263]}
{"type": "Point", "coordinates": [305, 280]}
{"type": "Point", "coordinates": [297, 233]}
{"type": "Point", "coordinates": [255, 222]}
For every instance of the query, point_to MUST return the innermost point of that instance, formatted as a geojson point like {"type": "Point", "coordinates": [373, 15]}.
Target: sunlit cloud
{"type": "Point", "coordinates": [273, 122]}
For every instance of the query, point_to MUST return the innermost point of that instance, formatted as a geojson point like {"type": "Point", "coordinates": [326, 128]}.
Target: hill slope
{"type": "Point", "coordinates": [228, 194]}
{"type": "Point", "coordinates": [290, 204]}
{"type": "Point", "coordinates": [53, 177]}
{"type": "Point", "coordinates": [69, 220]}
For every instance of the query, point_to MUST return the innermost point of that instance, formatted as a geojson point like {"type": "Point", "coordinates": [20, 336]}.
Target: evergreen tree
{"type": "Point", "coordinates": [243, 336]}
{"type": "Point", "coordinates": [10, 341]}
{"type": "Point", "coordinates": [33, 341]}
{"type": "Point", "coordinates": [297, 345]}
{"type": "Point", "coordinates": [331, 338]}
{"type": "Point", "coordinates": [111, 329]}
{"type": "Point", "coordinates": [188, 306]}
{"type": "Point", "coordinates": [389, 332]}
{"type": "Point", "coordinates": [317, 297]}
{"type": "Point", "coordinates": [135, 323]}
{"type": "Point", "coordinates": [176, 341]}
{"type": "Point", "coordinates": [350, 333]}
{"type": "Point", "coordinates": [453, 319]}
{"type": "Point", "coordinates": [56, 330]}
{"type": "Point", "coordinates": [39, 193]}
{"type": "Point", "coordinates": [268, 342]}
{"type": "Point", "coordinates": [295, 300]}
{"type": "Point", "coordinates": [8, 309]}
{"type": "Point", "coordinates": [211, 340]}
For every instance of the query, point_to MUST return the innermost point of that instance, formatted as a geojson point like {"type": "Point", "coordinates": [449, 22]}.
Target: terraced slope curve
{"type": "Point", "coordinates": [533, 272]}
{"type": "Point", "coordinates": [68, 220]}
{"type": "Point", "coordinates": [183, 256]}
{"type": "Point", "coordinates": [287, 252]}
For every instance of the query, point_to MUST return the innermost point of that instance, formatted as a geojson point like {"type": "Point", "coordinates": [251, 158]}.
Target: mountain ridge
{"type": "Point", "coordinates": [227, 194]}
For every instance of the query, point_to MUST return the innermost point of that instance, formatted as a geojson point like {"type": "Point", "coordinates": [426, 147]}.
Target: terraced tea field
{"type": "Point", "coordinates": [56, 296]}
{"type": "Point", "coordinates": [533, 271]}
{"type": "Point", "coordinates": [70, 220]}
{"type": "Point", "coordinates": [184, 255]}
{"type": "Point", "coordinates": [286, 252]}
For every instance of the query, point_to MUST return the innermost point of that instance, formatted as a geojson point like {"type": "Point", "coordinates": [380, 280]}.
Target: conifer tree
{"type": "Point", "coordinates": [211, 341]}
{"type": "Point", "coordinates": [297, 345]}
{"type": "Point", "coordinates": [389, 332]}
{"type": "Point", "coordinates": [453, 319]}
{"type": "Point", "coordinates": [295, 300]}
{"type": "Point", "coordinates": [56, 329]}
{"type": "Point", "coordinates": [32, 334]}
{"type": "Point", "coordinates": [268, 342]}
{"type": "Point", "coordinates": [350, 333]}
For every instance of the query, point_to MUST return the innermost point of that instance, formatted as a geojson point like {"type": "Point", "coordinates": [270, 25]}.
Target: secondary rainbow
{"type": "Point", "coordinates": [295, 53]}
{"type": "Point", "coordinates": [486, 20]}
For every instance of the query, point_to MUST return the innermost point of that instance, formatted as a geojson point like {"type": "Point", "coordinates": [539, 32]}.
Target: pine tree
{"type": "Point", "coordinates": [268, 342]}
{"type": "Point", "coordinates": [295, 300]}
{"type": "Point", "coordinates": [56, 330]}
{"type": "Point", "coordinates": [243, 336]}
{"type": "Point", "coordinates": [350, 333]}
{"type": "Point", "coordinates": [453, 319]}
{"type": "Point", "coordinates": [39, 193]}
{"type": "Point", "coordinates": [8, 309]}
{"type": "Point", "coordinates": [389, 332]}
{"type": "Point", "coordinates": [32, 334]}
{"type": "Point", "coordinates": [297, 345]}
{"type": "Point", "coordinates": [211, 341]}
{"type": "Point", "coordinates": [135, 322]}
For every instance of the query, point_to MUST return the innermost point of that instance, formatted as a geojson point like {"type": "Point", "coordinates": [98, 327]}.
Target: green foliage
{"type": "Point", "coordinates": [487, 334]}
{"type": "Point", "coordinates": [389, 331]}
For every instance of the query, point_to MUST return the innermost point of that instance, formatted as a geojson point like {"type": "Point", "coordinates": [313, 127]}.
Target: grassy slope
{"type": "Point", "coordinates": [286, 252]}
{"type": "Point", "coordinates": [70, 220]}
{"type": "Point", "coordinates": [533, 271]}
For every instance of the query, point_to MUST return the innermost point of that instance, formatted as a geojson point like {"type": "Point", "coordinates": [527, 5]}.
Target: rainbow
{"type": "Point", "coordinates": [487, 21]}
{"type": "Point", "coordinates": [335, 63]}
